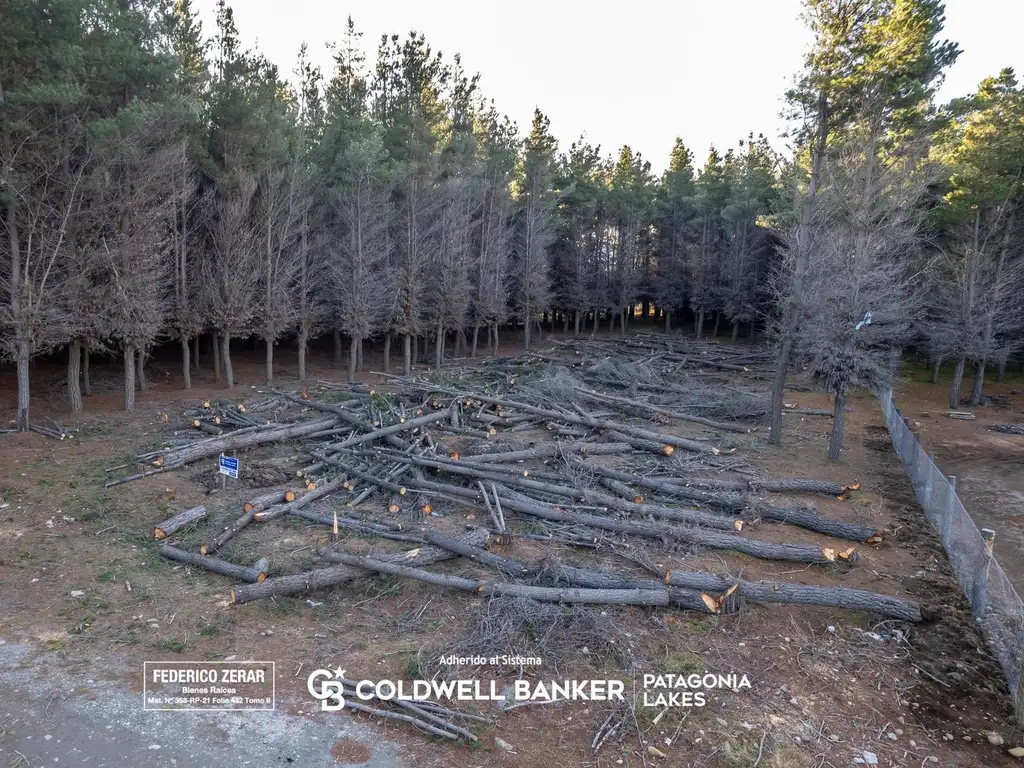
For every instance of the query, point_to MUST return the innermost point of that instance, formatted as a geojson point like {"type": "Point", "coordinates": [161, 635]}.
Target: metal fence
{"type": "Point", "coordinates": [994, 601]}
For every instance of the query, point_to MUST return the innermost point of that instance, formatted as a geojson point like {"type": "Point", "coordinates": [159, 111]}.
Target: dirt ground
{"type": "Point", "coordinates": [829, 687]}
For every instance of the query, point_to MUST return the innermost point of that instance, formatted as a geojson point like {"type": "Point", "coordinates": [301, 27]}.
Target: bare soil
{"type": "Point", "coordinates": [828, 685]}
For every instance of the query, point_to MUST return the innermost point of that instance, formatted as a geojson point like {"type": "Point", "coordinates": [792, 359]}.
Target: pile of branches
{"type": "Point", "coordinates": [541, 450]}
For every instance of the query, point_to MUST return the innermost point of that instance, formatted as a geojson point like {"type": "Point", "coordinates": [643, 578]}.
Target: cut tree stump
{"type": "Point", "coordinates": [180, 520]}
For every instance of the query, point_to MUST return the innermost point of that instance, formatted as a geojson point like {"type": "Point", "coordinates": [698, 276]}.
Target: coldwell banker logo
{"type": "Point", "coordinates": [326, 686]}
{"type": "Point", "coordinates": [330, 686]}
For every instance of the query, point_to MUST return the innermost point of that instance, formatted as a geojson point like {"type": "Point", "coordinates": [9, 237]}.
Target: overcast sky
{"type": "Point", "coordinates": [707, 71]}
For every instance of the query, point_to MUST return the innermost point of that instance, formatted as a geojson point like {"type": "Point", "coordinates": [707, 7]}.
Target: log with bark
{"type": "Point", "coordinates": [341, 574]}
{"type": "Point", "coordinates": [633, 405]}
{"type": "Point", "coordinates": [307, 498]}
{"type": "Point", "coordinates": [662, 532]}
{"type": "Point", "coordinates": [658, 597]}
{"type": "Point", "coordinates": [802, 594]}
{"type": "Point", "coordinates": [807, 518]}
{"type": "Point", "coordinates": [238, 572]}
{"type": "Point", "coordinates": [241, 439]}
{"type": "Point", "coordinates": [556, 449]}
{"type": "Point", "coordinates": [394, 429]}
{"type": "Point", "coordinates": [690, 600]}
{"type": "Point", "coordinates": [693, 517]}
{"type": "Point", "coordinates": [227, 534]}
{"type": "Point", "coordinates": [586, 421]}
{"type": "Point", "coordinates": [180, 520]}
{"type": "Point", "coordinates": [259, 503]}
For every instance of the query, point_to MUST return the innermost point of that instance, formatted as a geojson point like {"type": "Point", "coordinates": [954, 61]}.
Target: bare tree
{"type": "Point", "coordinates": [861, 282]}
{"type": "Point", "coordinates": [229, 288]}
{"type": "Point", "coordinates": [41, 185]}
{"type": "Point", "coordinates": [360, 278]}
{"type": "Point", "coordinates": [450, 273]}
{"type": "Point", "coordinates": [280, 229]}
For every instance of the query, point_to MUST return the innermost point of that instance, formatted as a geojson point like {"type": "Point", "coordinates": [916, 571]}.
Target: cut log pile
{"type": "Point", "coordinates": [639, 441]}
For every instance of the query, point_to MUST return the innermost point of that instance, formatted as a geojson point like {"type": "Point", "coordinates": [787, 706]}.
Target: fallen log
{"type": "Point", "coordinates": [349, 418]}
{"type": "Point", "coordinates": [394, 429]}
{"type": "Point", "coordinates": [642, 445]}
{"type": "Point", "coordinates": [307, 498]}
{"type": "Point", "coordinates": [180, 520]}
{"type": "Point", "coordinates": [586, 421]}
{"type": "Point", "coordinates": [658, 531]}
{"type": "Point", "coordinates": [668, 487]}
{"type": "Point", "coordinates": [803, 594]}
{"type": "Point", "coordinates": [602, 397]}
{"type": "Point", "coordinates": [657, 597]}
{"type": "Point", "coordinates": [259, 503]}
{"type": "Point", "coordinates": [234, 441]}
{"type": "Point", "coordinates": [341, 574]}
{"type": "Point", "coordinates": [241, 573]}
{"type": "Point", "coordinates": [806, 518]}
{"type": "Point", "coordinates": [227, 534]}
{"type": "Point", "coordinates": [694, 516]}
{"type": "Point", "coordinates": [580, 577]}
{"type": "Point", "coordinates": [558, 449]}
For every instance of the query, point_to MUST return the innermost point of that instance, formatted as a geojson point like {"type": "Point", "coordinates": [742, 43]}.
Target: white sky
{"type": "Point", "coordinates": [708, 71]}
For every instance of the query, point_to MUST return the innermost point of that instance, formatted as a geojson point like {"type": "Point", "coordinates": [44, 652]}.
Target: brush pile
{"type": "Point", "coordinates": [631, 445]}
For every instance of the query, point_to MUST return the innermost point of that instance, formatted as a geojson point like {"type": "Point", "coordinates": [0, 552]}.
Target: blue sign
{"type": "Point", "coordinates": [229, 466]}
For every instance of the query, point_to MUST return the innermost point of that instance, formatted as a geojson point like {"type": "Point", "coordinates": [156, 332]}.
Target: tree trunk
{"type": "Point", "coordinates": [86, 379]}
{"type": "Point", "coordinates": [577, 317]}
{"type": "Point", "coordinates": [979, 383]}
{"type": "Point", "coordinates": [336, 335]}
{"type": "Point", "coordinates": [1001, 370]}
{"type": "Point", "coordinates": [339, 574]}
{"type": "Point", "coordinates": [526, 316]}
{"type": "Point", "coordinates": [186, 362]}
{"type": "Point", "coordinates": [622, 326]}
{"type": "Point", "coordinates": [75, 375]}
{"type": "Point", "coordinates": [406, 354]}
{"type": "Point", "coordinates": [700, 324]}
{"type": "Point", "coordinates": [439, 346]}
{"type": "Point", "coordinates": [645, 308]}
{"type": "Point", "coordinates": [269, 362]}
{"type": "Point", "coordinates": [195, 356]}
{"type": "Point", "coordinates": [476, 337]}
{"type": "Point", "coordinates": [180, 520]}
{"type": "Point", "coordinates": [958, 378]}
{"type": "Point", "coordinates": [213, 564]}
{"type": "Point", "coordinates": [129, 378]}
{"type": "Point", "coordinates": [668, 320]}
{"type": "Point", "coordinates": [735, 330]}
{"type": "Point", "coordinates": [303, 346]}
{"type": "Point", "coordinates": [415, 349]}
{"type": "Point", "coordinates": [791, 321]}
{"type": "Point", "coordinates": [218, 369]}
{"type": "Point", "coordinates": [140, 357]}
{"type": "Point", "coordinates": [353, 358]}
{"type": "Point", "coordinates": [225, 358]}
{"type": "Point", "coordinates": [835, 443]}
{"type": "Point", "coordinates": [611, 322]}
{"type": "Point", "coordinates": [359, 356]}
{"type": "Point", "coordinates": [718, 320]}
{"type": "Point", "coordinates": [497, 339]}
{"type": "Point", "coordinates": [936, 364]}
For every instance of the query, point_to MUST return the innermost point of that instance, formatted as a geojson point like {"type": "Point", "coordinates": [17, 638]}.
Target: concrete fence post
{"type": "Point", "coordinates": [929, 484]}
{"type": "Point", "coordinates": [947, 521]}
